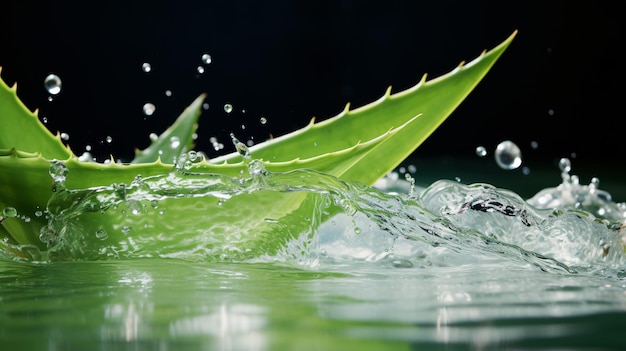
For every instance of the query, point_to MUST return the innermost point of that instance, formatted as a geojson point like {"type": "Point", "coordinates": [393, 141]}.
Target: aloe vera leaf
{"type": "Point", "coordinates": [434, 100]}
{"type": "Point", "coordinates": [342, 154]}
{"type": "Point", "coordinates": [176, 139]}
{"type": "Point", "coordinates": [22, 130]}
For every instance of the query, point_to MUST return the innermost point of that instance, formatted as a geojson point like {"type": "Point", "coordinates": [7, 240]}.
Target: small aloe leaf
{"type": "Point", "coordinates": [176, 140]}
{"type": "Point", "coordinates": [361, 144]}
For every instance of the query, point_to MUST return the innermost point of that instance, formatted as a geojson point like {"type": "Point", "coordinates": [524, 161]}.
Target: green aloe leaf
{"type": "Point", "coordinates": [361, 144]}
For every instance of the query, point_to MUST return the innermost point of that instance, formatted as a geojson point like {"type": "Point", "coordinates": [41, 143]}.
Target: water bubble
{"type": "Point", "coordinates": [146, 67]}
{"type": "Point", "coordinates": [38, 213]}
{"type": "Point", "coordinates": [508, 155]}
{"type": "Point", "coordinates": [228, 108]}
{"type": "Point", "coordinates": [168, 93]}
{"type": "Point", "coordinates": [9, 212]}
{"type": "Point", "coordinates": [87, 147]}
{"type": "Point", "coordinates": [200, 69]}
{"type": "Point", "coordinates": [534, 144]}
{"type": "Point", "coordinates": [148, 109]}
{"type": "Point", "coordinates": [108, 139]}
{"type": "Point", "coordinates": [481, 151]}
{"type": "Point", "coordinates": [44, 120]}
{"type": "Point", "coordinates": [206, 58]}
{"type": "Point", "coordinates": [101, 234]}
{"type": "Point", "coordinates": [402, 263]}
{"type": "Point", "coordinates": [412, 169]}
{"type": "Point", "coordinates": [565, 165]}
{"type": "Point", "coordinates": [65, 136]}
{"type": "Point", "coordinates": [263, 120]}
{"type": "Point", "coordinates": [174, 142]}
{"type": "Point", "coordinates": [52, 83]}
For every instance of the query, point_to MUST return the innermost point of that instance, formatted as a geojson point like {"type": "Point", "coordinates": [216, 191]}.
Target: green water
{"type": "Point", "coordinates": [161, 304]}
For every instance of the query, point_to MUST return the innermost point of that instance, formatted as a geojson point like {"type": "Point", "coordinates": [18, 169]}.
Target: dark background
{"type": "Point", "coordinates": [560, 83]}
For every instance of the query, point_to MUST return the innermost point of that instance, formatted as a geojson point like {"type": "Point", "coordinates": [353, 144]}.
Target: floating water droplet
{"type": "Point", "coordinates": [87, 147]}
{"type": "Point", "coordinates": [168, 93]}
{"type": "Point", "coordinates": [52, 83]}
{"type": "Point", "coordinates": [9, 212]}
{"type": "Point", "coordinates": [146, 67]}
{"type": "Point", "coordinates": [508, 155]}
{"type": "Point", "coordinates": [174, 142]}
{"type": "Point", "coordinates": [228, 108]}
{"type": "Point", "coordinates": [206, 58]}
{"type": "Point", "coordinates": [205, 106]}
{"type": "Point", "coordinates": [263, 120]}
{"type": "Point", "coordinates": [148, 108]}
{"type": "Point", "coordinates": [565, 165]}
{"type": "Point", "coordinates": [534, 145]}
{"type": "Point", "coordinates": [153, 137]}
{"type": "Point", "coordinates": [108, 139]}
{"type": "Point", "coordinates": [242, 149]}
{"type": "Point", "coordinates": [38, 213]}
{"type": "Point", "coordinates": [65, 136]}
{"type": "Point", "coordinates": [200, 69]}
{"type": "Point", "coordinates": [44, 120]}
{"type": "Point", "coordinates": [481, 151]}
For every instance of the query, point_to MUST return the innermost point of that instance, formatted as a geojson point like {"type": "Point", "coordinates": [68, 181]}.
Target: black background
{"type": "Point", "coordinates": [560, 83]}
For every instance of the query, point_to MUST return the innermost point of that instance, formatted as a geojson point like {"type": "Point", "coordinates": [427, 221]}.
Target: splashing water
{"type": "Point", "coordinates": [310, 219]}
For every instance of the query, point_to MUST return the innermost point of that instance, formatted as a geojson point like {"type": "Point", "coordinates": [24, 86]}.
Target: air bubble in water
{"type": "Point", "coordinates": [52, 83]}
{"type": "Point", "coordinates": [508, 155]}
{"type": "Point", "coordinates": [228, 108]}
{"type": "Point", "coordinates": [481, 151]}
{"type": "Point", "coordinates": [148, 108]}
{"type": "Point", "coordinates": [206, 58]}
{"type": "Point", "coordinates": [146, 67]}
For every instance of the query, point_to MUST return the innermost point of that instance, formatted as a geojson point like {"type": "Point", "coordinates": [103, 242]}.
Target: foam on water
{"type": "Point", "coordinates": [312, 219]}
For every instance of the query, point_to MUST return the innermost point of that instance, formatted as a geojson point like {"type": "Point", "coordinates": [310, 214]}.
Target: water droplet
{"type": "Point", "coordinates": [44, 120]}
{"type": "Point", "coordinates": [174, 142]}
{"type": "Point", "coordinates": [52, 83]}
{"type": "Point", "coordinates": [148, 109]}
{"type": "Point", "coordinates": [481, 151]}
{"type": "Point", "coordinates": [200, 69]}
{"type": "Point", "coordinates": [534, 145]}
{"type": "Point", "coordinates": [565, 165]}
{"type": "Point", "coordinates": [126, 229]}
{"type": "Point", "coordinates": [87, 147]}
{"type": "Point", "coordinates": [109, 139]}
{"type": "Point", "coordinates": [206, 58]}
{"type": "Point", "coordinates": [65, 136]}
{"type": "Point", "coordinates": [242, 149]}
{"type": "Point", "coordinates": [228, 108]}
{"type": "Point", "coordinates": [508, 155]}
{"type": "Point", "coordinates": [38, 213]}
{"type": "Point", "coordinates": [101, 234]}
{"type": "Point", "coordinates": [168, 93]}
{"type": "Point", "coordinates": [263, 120]}
{"type": "Point", "coordinates": [9, 212]}
{"type": "Point", "coordinates": [205, 106]}
{"type": "Point", "coordinates": [153, 137]}
{"type": "Point", "coordinates": [146, 67]}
